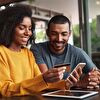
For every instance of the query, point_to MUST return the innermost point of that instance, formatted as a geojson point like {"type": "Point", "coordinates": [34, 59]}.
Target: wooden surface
{"type": "Point", "coordinates": [39, 97]}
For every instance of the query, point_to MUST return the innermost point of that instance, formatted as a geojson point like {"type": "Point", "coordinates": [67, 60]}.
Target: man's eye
{"type": "Point", "coordinates": [64, 34]}
{"type": "Point", "coordinates": [53, 33]}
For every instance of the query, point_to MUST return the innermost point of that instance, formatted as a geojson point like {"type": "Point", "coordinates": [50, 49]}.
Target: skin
{"type": "Point", "coordinates": [22, 34]}
{"type": "Point", "coordinates": [58, 35]}
{"type": "Point", "coordinates": [91, 80]}
{"type": "Point", "coordinates": [54, 74]}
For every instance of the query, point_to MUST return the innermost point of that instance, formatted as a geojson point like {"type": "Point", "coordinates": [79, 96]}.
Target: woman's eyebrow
{"type": "Point", "coordinates": [21, 24]}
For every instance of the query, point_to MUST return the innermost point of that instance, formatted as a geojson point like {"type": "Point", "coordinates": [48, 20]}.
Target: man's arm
{"type": "Point", "coordinates": [90, 80]}
{"type": "Point", "coordinates": [38, 57]}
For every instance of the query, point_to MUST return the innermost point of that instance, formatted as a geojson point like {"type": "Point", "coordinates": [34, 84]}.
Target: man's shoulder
{"type": "Point", "coordinates": [41, 45]}
{"type": "Point", "coordinates": [74, 49]}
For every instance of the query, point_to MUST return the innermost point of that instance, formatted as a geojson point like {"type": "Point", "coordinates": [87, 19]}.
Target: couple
{"type": "Point", "coordinates": [19, 73]}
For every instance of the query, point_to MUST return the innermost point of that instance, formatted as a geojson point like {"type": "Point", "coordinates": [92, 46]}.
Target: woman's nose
{"type": "Point", "coordinates": [27, 32]}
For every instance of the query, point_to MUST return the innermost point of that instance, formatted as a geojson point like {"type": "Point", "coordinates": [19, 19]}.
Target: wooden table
{"type": "Point", "coordinates": [39, 97]}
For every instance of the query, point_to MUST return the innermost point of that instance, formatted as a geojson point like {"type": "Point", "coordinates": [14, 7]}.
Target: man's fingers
{"type": "Point", "coordinates": [92, 83]}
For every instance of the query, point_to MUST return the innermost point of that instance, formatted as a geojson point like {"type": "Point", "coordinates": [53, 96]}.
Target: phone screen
{"type": "Point", "coordinates": [76, 68]}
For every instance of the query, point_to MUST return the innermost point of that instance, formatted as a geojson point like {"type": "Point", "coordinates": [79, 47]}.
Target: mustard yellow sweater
{"type": "Point", "coordinates": [20, 75]}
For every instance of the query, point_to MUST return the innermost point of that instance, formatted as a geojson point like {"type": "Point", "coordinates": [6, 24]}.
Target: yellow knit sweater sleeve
{"type": "Point", "coordinates": [19, 74]}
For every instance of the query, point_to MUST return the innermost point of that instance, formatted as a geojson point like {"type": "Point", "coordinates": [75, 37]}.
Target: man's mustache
{"type": "Point", "coordinates": [59, 41]}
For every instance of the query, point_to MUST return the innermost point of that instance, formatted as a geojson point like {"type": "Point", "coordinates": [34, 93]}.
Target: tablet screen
{"type": "Point", "coordinates": [71, 93]}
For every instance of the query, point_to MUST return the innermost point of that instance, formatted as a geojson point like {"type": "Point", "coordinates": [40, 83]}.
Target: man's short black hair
{"type": "Point", "coordinates": [59, 19]}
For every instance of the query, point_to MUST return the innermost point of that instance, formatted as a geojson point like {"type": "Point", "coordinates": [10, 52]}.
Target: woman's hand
{"type": "Point", "coordinates": [54, 74]}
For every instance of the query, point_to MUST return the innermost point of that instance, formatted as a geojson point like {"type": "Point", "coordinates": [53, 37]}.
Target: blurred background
{"type": "Point", "coordinates": [83, 14]}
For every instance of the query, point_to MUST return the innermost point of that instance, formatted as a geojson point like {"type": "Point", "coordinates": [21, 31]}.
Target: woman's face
{"type": "Point", "coordinates": [22, 32]}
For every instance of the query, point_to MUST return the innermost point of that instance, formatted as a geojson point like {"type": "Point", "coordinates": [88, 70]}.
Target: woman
{"type": "Point", "coordinates": [19, 73]}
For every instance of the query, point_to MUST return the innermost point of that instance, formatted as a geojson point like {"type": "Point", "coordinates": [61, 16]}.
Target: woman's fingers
{"type": "Point", "coordinates": [54, 74]}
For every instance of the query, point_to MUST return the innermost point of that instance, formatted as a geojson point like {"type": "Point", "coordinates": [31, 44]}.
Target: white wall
{"type": "Point", "coordinates": [67, 7]}
{"type": "Point", "coordinates": [94, 9]}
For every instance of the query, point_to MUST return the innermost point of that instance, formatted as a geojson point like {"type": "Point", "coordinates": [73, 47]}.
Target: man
{"type": "Point", "coordinates": [58, 51]}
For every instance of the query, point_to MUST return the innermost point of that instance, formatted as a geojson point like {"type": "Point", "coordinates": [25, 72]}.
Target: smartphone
{"type": "Point", "coordinates": [76, 68]}
{"type": "Point", "coordinates": [67, 65]}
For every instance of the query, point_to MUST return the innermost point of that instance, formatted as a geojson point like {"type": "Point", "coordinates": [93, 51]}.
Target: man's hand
{"type": "Point", "coordinates": [91, 80]}
{"type": "Point", "coordinates": [94, 78]}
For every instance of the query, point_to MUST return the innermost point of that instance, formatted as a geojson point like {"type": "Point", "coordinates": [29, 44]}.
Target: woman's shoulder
{"type": "Point", "coordinates": [2, 48]}
{"type": "Point", "coordinates": [26, 50]}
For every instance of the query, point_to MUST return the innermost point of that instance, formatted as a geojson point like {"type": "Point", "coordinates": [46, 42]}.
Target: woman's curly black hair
{"type": "Point", "coordinates": [10, 18]}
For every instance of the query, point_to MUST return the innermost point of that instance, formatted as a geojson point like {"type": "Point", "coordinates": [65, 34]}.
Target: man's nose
{"type": "Point", "coordinates": [59, 37]}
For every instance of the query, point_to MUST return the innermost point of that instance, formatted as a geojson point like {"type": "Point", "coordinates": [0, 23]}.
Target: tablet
{"type": "Point", "coordinates": [77, 94]}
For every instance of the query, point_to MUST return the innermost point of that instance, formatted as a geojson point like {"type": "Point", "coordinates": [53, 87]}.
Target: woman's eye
{"type": "Point", "coordinates": [21, 28]}
{"type": "Point", "coordinates": [30, 29]}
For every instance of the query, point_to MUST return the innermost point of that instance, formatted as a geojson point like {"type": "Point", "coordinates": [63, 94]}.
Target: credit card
{"type": "Point", "coordinates": [68, 69]}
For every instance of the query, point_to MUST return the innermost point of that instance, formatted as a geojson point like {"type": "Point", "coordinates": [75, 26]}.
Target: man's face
{"type": "Point", "coordinates": [58, 35]}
